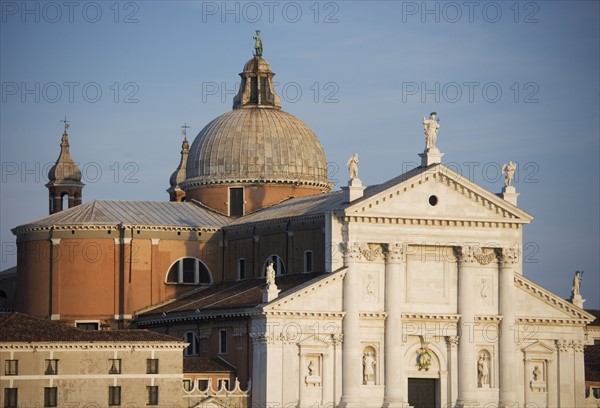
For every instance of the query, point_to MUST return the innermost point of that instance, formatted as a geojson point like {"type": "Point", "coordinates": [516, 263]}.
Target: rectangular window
{"type": "Point", "coordinates": [152, 395]}
{"type": "Point", "coordinates": [11, 398]}
{"type": "Point", "coordinates": [51, 367]}
{"type": "Point", "coordinates": [241, 268]}
{"type": "Point", "coordinates": [236, 201]}
{"type": "Point", "coordinates": [152, 366]}
{"type": "Point", "coordinates": [308, 261]}
{"type": "Point", "coordinates": [50, 396]}
{"type": "Point", "coordinates": [114, 395]}
{"type": "Point", "coordinates": [114, 366]}
{"type": "Point", "coordinates": [11, 367]}
{"type": "Point", "coordinates": [92, 326]}
{"type": "Point", "coordinates": [223, 342]}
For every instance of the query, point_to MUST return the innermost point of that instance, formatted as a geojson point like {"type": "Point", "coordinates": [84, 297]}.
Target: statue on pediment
{"type": "Point", "coordinates": [431, 127]}
{"type": "Point", "coordinates": [508, 169]}
{"type": "Point", "coordinates": [353, 166]}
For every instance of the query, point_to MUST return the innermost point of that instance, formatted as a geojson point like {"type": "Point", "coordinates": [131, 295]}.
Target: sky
{"type": "Point", "coordinates": [510, 81]}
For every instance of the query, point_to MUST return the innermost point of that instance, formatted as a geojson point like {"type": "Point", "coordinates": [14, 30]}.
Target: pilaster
{"type": "Point", "coordinates": [509, 259]}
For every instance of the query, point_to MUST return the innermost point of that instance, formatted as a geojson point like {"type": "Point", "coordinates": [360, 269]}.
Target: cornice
{"type": "Point", "coordinates": [513, 223]}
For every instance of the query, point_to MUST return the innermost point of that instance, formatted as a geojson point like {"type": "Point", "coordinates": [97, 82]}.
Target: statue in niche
{"type": "Point", "coordinates": [270, 274]}
{"type": "Point", "coordinates": [508, 169]}
{"type": "Point", "coordinates": [576, 284]}
{"type": "Point", "coordinates": [483, 370]}
{"type": "Point", "coordinates": [353, 166]}
{"type": "Point", "coordinates": [431, 127]}
{"type": "Point", "coordinates": [258, 48]}
{"type": "Point", "coordinates": [368, 367]}
{"type": "Point", "coordinates": [537, 374]}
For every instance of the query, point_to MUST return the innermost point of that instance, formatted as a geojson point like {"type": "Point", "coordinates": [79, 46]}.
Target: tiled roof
{"type": "Point", "coordinates": [21, 328]}
{"type": "Point", "coordinates": [245, 293]}
{"type": "Point", "coordinates": [138, 213]}
{"type": "Point", "coordinates": [202, 364]}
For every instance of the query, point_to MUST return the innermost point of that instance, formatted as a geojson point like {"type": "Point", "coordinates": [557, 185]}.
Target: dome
{"type": "Point", "coordinates": [257, 144]}
{"type": "Point", "coordinates": [64, 170]}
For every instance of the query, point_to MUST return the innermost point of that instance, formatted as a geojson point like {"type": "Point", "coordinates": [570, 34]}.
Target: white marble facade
{"type": "Point", "coordinates": [421, 288]}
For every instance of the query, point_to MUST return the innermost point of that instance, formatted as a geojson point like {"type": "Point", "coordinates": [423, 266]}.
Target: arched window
{"type": "Point", "coordinates": [189, 270]}
{"type": "Point", "coordinates": [277, 265]}
{"type": "Point", "coordinates": [194, 344]}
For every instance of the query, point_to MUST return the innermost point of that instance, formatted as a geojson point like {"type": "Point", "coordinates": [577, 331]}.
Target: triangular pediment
{"type": "Point", "coordinates": [323, 294]}
{"type": "Point", "coordinates": [537, 347]}
{"type": "Point", "coordinates": [435, 192]}
{"type": "Point", "coordinates": [538, 305]}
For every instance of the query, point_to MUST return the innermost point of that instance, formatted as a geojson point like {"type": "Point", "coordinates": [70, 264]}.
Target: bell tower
{"type": "Point", "coordinates": [64, 178]}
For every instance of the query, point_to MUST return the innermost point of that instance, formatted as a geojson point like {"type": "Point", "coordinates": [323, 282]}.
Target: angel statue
{"type": "Point", "coordinates": [508, 169]}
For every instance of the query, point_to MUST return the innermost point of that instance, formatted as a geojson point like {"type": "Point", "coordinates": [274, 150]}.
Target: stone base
{"type": "Point", "coordinates": [270, 293]}
{"type": "Point", "coordinates": [430, 156]}
{"type": "Point", "coordinates": [509, 193]}
{"type": "Point", "coordinates": [577, 300]}
{"type": "Point", "coordinates": [354, 190]}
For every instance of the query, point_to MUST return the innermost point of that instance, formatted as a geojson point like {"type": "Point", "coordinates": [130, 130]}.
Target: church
{"type": "Point", "coordinates": [411, 291]}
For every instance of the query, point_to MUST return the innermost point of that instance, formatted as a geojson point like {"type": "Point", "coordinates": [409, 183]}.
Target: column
{"type": "Point", "coordinates": [55, 257]}
{"type": "Point", "coordinates": [452, 343]}
{"type": "Point", "coordinates": [395, 270]}
{"type": "Point", "coordinates": [579, 380]}
{"type": "Point", "coordinates": [467, 350]}
{"type": "Point", "coordinates": [565, 374]}
{"type": "Point", "coordinates": [509, 260]}
{"type": "Point", "coordinates": [551, 383]}
{"type": "Point", "coordinates": [351, 353]}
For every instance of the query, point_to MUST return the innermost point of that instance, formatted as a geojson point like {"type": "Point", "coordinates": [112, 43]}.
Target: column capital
{"type": "Point", "coordinates": [508, 256]}
{"type": "Point", "coordinates": [563, 345]}
{"type": "Point", "coordinates": [465, 254]}
{"type": "Point", "coordinates": [351, 251]}
{"type": "Point", "coordinates": [452, 341]}
{"type": "Point", "coordinates": [395, 253]}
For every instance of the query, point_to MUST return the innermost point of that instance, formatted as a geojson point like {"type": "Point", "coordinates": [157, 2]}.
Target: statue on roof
{"type": "Point", "coordinates": [270, 274]}
{"type": "Point", "coordinates": [508, 169]}
{"type": "Point", "coordinates": [353, 166]}
{"type": "Point", "coordinates": [575, 290]}
{"type": "Point", "coordinates": [431, 127]}
{"type": "Point", "coordinates": [258, 48]}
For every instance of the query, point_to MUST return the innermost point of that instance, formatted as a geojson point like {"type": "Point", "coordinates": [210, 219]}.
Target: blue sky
{"type": "Point", "coordinates": [510, 80]}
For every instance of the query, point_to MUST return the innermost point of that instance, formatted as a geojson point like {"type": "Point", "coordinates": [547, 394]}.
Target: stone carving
{"type": "Point", "coordinates": [483, 370]}
{"type": "Point", "coordinates": [313, 379]}
{"type": "Point", "coordinates": [465, 254]}
{"type": "Point", "coordinates": [537, 384]}
{"type": "Point", "coordinates": [353, 166]}
{"type": "Point", "coordinates": [395, 252]}
{"type": "Point", "coordinates": [536, 373]}
{"type": "Point", "coordinates": [258, 47]}
{"type": "Point", "coordinates": [575, 290]}
{"type": "Point", "coordinates": [578, 346]}
{"type": "Point", "coordinates": [563, 345]}
{"type": "Point", "coordinates": [484, 292]}
{"type": "Point", "coordinates": [509, 256]}
{"type": "Point", "coordinates": [270, 274]}
{"type": "Point", "coordinates": [372, 252]}
{"type": "Point", "coordinates": [452, 341]}
{"type": "Point", "coordinates": [423, 359]}
{"type": "Point", "coordinates": [484, 258]}
{"type": "Point", "coordinates": [370, 288]}
{"type": "Point", "coordinates": [369, 364]}
{"type": "Point", "coordinates": [337, 339]}
{"type": "Point", "coordinates": [508, 169]}
{"type": "Point", "coordinates": [431, 127]}
{"type": "Point", "coordinates": [351, 251]}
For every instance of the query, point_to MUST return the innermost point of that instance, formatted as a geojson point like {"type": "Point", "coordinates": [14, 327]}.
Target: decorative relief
{"type": "Point", "coordinates": [372, 252]}
{"type": "Point", "coordinates": [370, 288]}
{"type": "Point", "coordinates": [484, 258]}
{"type": "Point", "coordinates": [423, 359]}
{"type": "Point", "coordinates": [337, 339]}
{"type": "Point", "coordinates": [313, 369]}
{"type": "Point", "coordinates": [578, 346]}
{"type": "Point", "coordinates": [262, 338]}
{"type": "Point", "coordinates": [485, 294]}
{"type": "Point", "coordinates": [351, 251]}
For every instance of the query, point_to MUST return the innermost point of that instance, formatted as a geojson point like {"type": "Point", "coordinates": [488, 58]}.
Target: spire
{"type": "Point", "coordinates": [256, 87]}
{"type": "Point", "coordinates": [178, 176]}
{"type": "Point", "coordinates": [64, 178]}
